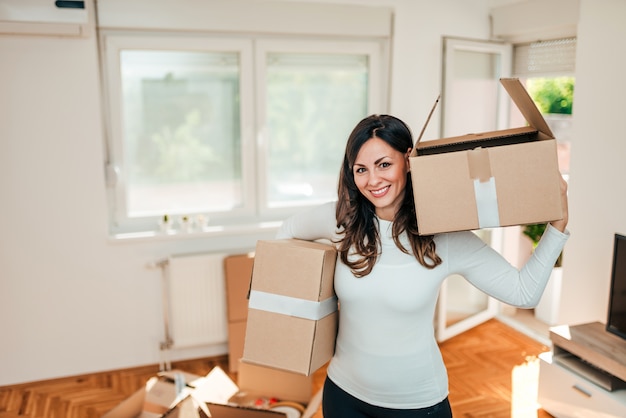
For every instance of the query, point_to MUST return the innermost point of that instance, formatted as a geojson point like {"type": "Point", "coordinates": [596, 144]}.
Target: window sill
{"type": "Point", "coordinates": [206, 232]}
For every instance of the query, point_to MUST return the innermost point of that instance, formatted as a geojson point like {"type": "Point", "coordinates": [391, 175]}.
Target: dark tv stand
{"type": "Point", "coordinates": [586, 371]}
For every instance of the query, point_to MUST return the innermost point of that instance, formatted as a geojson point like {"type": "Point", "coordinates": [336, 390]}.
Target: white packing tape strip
{"type": "Point", "coordinates": [287, 305]}
{"type": "Point", "coordinates": [487, 203]}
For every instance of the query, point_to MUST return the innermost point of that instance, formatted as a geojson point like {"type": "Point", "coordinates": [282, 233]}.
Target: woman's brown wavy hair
{"type": "Point", "coordinates": [359, 246]}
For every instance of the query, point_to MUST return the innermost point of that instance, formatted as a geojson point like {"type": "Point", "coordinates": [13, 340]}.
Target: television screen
{"type": "Point", "coordinates": [616, 322]}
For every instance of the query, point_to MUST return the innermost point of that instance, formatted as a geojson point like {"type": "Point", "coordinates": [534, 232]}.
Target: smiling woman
{"type": "Point", "coordinates": [388, 275]}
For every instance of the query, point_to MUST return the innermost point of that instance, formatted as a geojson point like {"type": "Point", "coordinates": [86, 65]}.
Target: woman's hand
{"type": "Point", "coordinates": [562, 223]}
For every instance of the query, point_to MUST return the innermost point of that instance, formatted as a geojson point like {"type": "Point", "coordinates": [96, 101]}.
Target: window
{"type": "Point", "coordinates": [547, 68]}
{"type": "Point", "coordinates": [181, 131]}
{"type": "Point", "coordinates": [230, 130]}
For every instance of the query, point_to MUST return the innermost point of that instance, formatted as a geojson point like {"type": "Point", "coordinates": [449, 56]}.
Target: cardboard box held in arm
{"type": "Point", "coordinates": [292, 310]}
{"type": "Point", "coordinates": [491, 179]}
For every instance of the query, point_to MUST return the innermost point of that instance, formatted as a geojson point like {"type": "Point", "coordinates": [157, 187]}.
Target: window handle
{"type": "Point", "coordinates": [111, 174]}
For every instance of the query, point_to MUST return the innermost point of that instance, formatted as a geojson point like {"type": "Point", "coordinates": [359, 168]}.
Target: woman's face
{"type": "Point", "coordinates": [380, 175]}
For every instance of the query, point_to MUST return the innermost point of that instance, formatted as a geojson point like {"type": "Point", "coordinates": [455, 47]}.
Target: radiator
{"type": "Point", "coordinates": [194, 299]}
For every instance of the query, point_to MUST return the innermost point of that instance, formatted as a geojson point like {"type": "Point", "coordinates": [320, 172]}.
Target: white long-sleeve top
{"type": "Point", "coordinates": [386, 353]}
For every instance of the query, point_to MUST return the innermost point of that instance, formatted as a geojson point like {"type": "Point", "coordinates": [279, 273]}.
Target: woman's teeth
{"type": "Point", "coordinates": [380, 192]}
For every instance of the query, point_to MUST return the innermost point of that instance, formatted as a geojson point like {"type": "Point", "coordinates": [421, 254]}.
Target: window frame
{"type": "Point", "coordinates": [113, 43]}
{"type": "Point", "coordinates": [252, 49]}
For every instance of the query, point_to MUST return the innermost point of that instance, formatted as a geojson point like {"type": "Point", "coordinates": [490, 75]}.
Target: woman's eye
{"type": "Point", "coordinates": [385, 164]}
{"type": "Point", "coordinates": [360, 170]}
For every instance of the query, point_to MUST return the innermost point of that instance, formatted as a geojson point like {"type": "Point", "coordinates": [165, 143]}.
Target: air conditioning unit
{"type": "Point", "coordinates": [45, 17]}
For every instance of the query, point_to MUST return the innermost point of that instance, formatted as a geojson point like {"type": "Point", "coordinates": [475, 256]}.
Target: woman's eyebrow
{"type": "Point", "coordinates": [375, 162]}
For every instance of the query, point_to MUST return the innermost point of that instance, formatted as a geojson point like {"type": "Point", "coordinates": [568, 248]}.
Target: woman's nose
{"type": "Point", "coordinates": [374, 178]}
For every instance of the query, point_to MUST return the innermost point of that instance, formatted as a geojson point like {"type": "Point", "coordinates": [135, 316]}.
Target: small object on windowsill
{"type": "Point", "coordinates": [201, 222]}
{"type": "Point", "coordinates": [165, 224]}
{"type": "Point", "coordinates": [186, 223]}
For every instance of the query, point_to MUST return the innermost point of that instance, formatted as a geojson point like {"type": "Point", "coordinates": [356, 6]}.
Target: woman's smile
{"type": "Point", "coordinates": [380, 192]}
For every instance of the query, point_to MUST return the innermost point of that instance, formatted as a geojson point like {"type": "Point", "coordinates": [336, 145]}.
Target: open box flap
{"type": "Point", "coordinates": [525, 104]}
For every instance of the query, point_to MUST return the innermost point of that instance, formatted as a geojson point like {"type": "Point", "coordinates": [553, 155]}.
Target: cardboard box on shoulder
{"type": "Point", "coordinates": [238, 273]}
{"type": "Point", "coordinates": [491, 179]}
{"type": "Point", "coordinates": [292, 311]}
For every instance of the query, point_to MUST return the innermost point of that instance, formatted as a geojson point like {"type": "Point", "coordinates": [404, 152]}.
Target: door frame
{"type": "Point", "coordinates": [451, 45]}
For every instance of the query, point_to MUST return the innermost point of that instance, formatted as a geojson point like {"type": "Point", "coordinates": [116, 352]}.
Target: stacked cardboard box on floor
{"type": "Point", "coordinates": [490, 179]}
{"type": "Point", "coordinates": [292, 311]}
{"type": "Point", "coordinates": [238, 272]}
{"type": "Point", "coordinates": [258, 381]}
{"type": "Point", "coordinates": [184, 395]}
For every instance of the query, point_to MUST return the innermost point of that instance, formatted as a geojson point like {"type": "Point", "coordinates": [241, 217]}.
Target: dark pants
{"type": "Point", "coordinates": [336, 403]}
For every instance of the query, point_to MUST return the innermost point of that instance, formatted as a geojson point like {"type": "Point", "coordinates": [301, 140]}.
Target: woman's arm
{"type": "Point", "coordinates": [311, 224]}
{"type": "Point", "coordinates": [490, 272]}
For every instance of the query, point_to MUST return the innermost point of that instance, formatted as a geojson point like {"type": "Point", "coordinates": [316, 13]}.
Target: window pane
{"type": "Point", "coordinates": [554, 96]}
{"type": "Point", "coordinates": [313, 102]}
{"type": "Point", "coordinates": [181, 128]}
{"type": "Point", "coordinates": [473, 88]}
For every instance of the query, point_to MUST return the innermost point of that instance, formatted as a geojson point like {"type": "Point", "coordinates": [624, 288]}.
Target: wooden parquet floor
{"type": "Point", "coordinates": [480, 365]}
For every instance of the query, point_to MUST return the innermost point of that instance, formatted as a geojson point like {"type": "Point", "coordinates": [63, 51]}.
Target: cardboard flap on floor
{"type": "Point", "coordinates": [216, 387]}
{"type": "Point", "coordinates": [490, 179]}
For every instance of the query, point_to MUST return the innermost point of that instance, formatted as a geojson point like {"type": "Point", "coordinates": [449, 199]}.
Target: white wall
{"type": "Point", "coordinates": [73, 301]}
{"type": "Point", "coordinates": [597, 190]}
{"type": "Point", "coordinates": [597, 196]}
